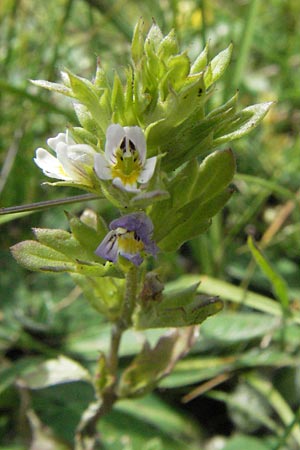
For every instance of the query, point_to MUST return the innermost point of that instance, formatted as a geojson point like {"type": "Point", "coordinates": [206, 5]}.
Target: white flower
{"type": "Point", "coordinates": [70, 161]}
{"type": "Point", "coordinates": [124, 161]}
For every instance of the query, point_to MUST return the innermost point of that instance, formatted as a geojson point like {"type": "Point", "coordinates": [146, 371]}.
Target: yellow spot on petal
{"type": "Point", "coordinates": [127, 168]}
{"type": "Point", "coordinates": [128, 243]}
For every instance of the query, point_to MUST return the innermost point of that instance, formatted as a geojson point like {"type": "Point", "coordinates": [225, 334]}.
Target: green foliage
{"type": "Point", "coordinates": [42, 317]}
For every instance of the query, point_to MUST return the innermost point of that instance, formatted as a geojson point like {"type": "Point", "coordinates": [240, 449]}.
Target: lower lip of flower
{"type": "Point", "coordinates": [127, 169]}
{"type": "Point", "coordinates": [128, 242]}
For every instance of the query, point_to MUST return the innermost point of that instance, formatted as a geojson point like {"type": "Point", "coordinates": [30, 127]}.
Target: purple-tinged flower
{"type": "Point", "coordinates": [130, 236]}
{"type": "Point", "coordinates": [124, 160]}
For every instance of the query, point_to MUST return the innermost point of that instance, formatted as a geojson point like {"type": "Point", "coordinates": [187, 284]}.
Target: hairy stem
{"type": "Point", "coordinates": [86, 436]}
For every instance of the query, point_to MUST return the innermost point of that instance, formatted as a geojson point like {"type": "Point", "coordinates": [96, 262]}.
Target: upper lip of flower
{"type": "Point", "coordinates": [124, 160]}
{"type": "Point", "coordinates": [70, 161]}
{"type": "Point", "coordinates": [129, 236]}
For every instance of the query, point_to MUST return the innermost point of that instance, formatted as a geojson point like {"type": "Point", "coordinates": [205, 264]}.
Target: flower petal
{"type": "Point", "coordinates": [102, 167]}
{"type": "Point", "coordinates": [50, 165]}
{"type": "Point", "coordinates": [138, 222]}
{"type": "Point", "coordinates": [136, 135]}
{"type": "Point", "coordinates": [135, 258]}
{"type": "Point", "coordinates": [60, 138]}
{"type": "Point", "coordinates": [108, 249]}
{"type": "Point", "coordinates": [81, 153]}
{"type": "Point", "coordinates": [114, 135]}
{"type": "Point", "coordinates": [125, 187]}
{"type": "Point", "coordinates": [69, 165]}
{"type": "Point", "coordinates": [147, 170]}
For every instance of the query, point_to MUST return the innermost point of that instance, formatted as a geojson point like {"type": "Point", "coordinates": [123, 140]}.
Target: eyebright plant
{"type": "Point", "coordinates": [146, 142]}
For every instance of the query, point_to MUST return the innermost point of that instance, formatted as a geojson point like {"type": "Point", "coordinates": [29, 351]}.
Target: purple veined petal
{"type": "Point", "coordinates": [114, 135]}
{"type": "Point", "coordinates": [136, 135]}
{"type": "Point", "coordinates": [50, 165]}
{"type": "Point", "coordinates": [102, 167]}
{"type": "Point", "coordinates": [141, 224]}
{"type": "Point", "coordinates": [135, 258]}
{"type": "Point", "coordinates": [147, 170]}
{"type": "Point", "coordinates": [125, 187]}
{"type": "Point", "coordinates": [108, 249]}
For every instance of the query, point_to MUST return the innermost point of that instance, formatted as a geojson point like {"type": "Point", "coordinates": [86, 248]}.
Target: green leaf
{"type": "Point", "coordinates": [38, 257]}
{"type": "Point", "coordinates": [217, 66]}
{"type": "Point", "coordinates": [178, 70]}
{"type": "Point", "coordinates": [176, 309]}
{"type": "Point", "coordinates": [278, 284]}
{"type": "Point", "coordinates": [235, 327]}
{"type": "Point", "coordinates": [190, 221]}
{"type": "Point", "coordinates": [88, 237]}
{"type": "Point", "coordinates": [182, 184]}
{"type": "Point", "coordinates": [146, 199]}
{"type": "Point", "coordinates": [152, 364]}
{"type": "Point", "coordinates": [153, 39]}
{"type": "Point", "coordinates": [55, 87]}
{"type": "Point", "coordinates": [55, 371]}
{"type": "Point", "coordinates": [215, 173]}
{"type": "Point", "coordinates": [104, 294]}
{"type": "Point", "coordinates": [137, 46]}
{"type": "Point", "coordinates": [86, 93]}
{"type": "Point", "coordinates": [59, 240]}
{"type": "Point", "coordinates": [246, 442]}
{"type": "Point", "coordinates": [243, 123]}
{"type": "Point", "coordinates": [8, 375]}
{"type": "Point", "coordinates": [168, 46]}
{"type": "Point", "coordinates": [117, 101]}
{"type": "Point", "coordinates": [201, 61]}
{"type": "Point", "coordinates": [157, 426]}
{"type": "Point", "coordinates": [215, 287]}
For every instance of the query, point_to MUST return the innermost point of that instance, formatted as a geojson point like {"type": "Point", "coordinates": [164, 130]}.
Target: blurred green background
{"type": "Point", "coordinates": [251, 351]}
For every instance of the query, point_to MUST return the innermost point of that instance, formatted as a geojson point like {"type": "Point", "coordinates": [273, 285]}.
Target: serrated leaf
{"type": "Point", "coordinates": [243, 123]}
{"type": "Point", "coordinates": [176, 309]}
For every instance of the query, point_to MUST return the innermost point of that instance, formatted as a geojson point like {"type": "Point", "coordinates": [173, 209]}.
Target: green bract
{"type": "Point", "coordinates": [165, 94]}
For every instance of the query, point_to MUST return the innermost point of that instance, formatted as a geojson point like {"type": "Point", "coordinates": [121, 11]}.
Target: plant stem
{"type": "Point", "coordinates": [130, 296]}
{"type": "Point", "coordinates": [86, 435]}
